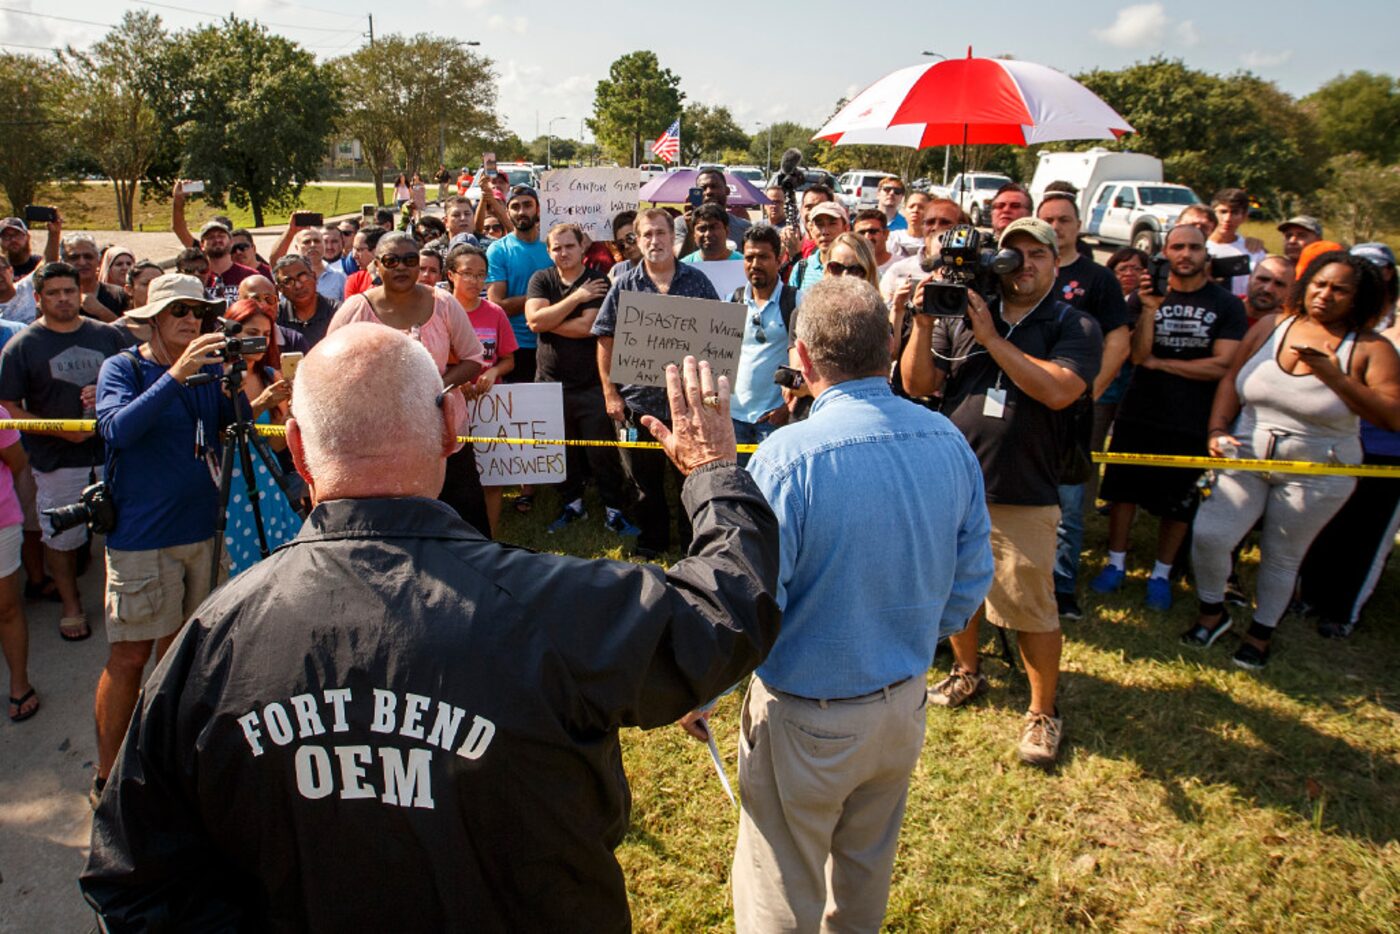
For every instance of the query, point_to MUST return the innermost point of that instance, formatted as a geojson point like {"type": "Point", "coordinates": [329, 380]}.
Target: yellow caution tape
{"type": "Point", "coordinates": [1129, 460]}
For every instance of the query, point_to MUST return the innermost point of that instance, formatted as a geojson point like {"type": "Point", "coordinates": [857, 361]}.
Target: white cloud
{"type": "Point", "coordinates": [1187, 33]}
{"type": "Point", "coordinates": [1138, 25]}
{"type": "Point", "coordinates": [516, 24]}
{"type": "Point", "coordinates": [1261, 59]}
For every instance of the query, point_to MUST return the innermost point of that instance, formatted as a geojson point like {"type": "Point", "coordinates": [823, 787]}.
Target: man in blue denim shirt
{"type": "Point", "coordinates": [885, 549]}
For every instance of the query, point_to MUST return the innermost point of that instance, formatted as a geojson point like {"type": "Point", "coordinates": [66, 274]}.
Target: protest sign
{"type": "Point", "coordinates": [725, 275]}
{"type": "Point", "coordinates": [587, 197]}
{"type": "Point", "coordinates": [519, 410]}
{"type": "Point", "coordinates": [654, 330]}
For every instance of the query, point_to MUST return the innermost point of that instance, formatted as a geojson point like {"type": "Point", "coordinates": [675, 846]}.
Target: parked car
{"type": "Point", "coordinates": [1134, 213]}
{"type": "Point", "coordinates": [651, 170]}
{"type": "Point", "coordinates": [973, 191]}
{"type": "Point", "coordinates": [749, 173]}
{"type": "Point", "coordinates": [859, 188]}
{"type": "Point", "coordinates": [517, 173]}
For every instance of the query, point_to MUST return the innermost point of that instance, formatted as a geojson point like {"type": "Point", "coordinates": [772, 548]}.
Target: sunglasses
{"type": "Point", "coordinates": [630, 239]}
{"type": "Point", "coordinates": [891, 190]}
{"type": "Point", "coordinates": [180, 309]}
{"type": "Point", "coordinates": [759, 335]}
{"type": "Point", "coordinates": [197, 271]}
{"type": "Point", "coordinates": [240, 247]}
{"type": "Point", "coordinates": [395, 260]}
{"type": "Point", "coordinates": [841, 269]}
{"type": "Point", "coordinates": [492, 228]}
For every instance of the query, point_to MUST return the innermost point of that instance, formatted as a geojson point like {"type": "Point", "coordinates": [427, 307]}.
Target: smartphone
{"type": "Point", "coordinates": [39, 214]}
{"type": "Point", "coordinates": [692, 197]}
{"type": "Point", "coordinates": [308, 218]}
{"type": "Point", "coordinates": [1227, 267]}
{"type": "Point", "coordinates": [488, 164]}
{"type": "Point", "coordinates": [193, 188]}
{"type": "Point", "coordinates": [1161, 269]}
{"type": "Point", "coordinates": [367, 210]}
{"type": "Point", "coordinates": [290, 362]}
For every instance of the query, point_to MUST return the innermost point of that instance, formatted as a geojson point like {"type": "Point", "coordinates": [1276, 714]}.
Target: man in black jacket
{"type": "Point", "coordinates": [393, 723]}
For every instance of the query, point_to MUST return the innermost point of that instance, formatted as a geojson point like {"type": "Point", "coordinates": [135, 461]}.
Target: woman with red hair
{"type": "Point", "coordinates": [268, 394]}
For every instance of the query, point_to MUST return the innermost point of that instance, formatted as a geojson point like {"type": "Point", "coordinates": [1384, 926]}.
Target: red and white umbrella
{"type": "Point", "coordinates": [973, 101]}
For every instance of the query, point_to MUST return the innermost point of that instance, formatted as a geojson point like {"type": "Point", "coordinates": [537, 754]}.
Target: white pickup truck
{"type": "Point", "coordinates": [1122, 198]}
{"type": "Point", "coordinates": [974, 192]}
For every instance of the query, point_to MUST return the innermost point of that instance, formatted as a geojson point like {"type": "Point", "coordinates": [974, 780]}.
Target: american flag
{"type": "Point", "coordinates": [668, 144]}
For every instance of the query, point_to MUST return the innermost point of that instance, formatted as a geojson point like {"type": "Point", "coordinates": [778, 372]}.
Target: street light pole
{"type": "Point", "coordinates": [549, 142]}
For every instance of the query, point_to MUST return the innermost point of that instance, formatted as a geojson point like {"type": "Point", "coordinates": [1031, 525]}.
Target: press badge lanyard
{"type": "Point", "coordinates": [994, 405]}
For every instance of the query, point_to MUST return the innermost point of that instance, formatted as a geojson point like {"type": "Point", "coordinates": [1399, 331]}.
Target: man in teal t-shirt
{"type": "Point", "coordinates": [510, 262]}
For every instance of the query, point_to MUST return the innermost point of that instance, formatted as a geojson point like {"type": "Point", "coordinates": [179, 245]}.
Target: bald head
{"type": "Point", "coordinates": [365, 420]}
{"type": "Point", "coordinates": [1187, 232]}
{"type": "Point", "coordinates": [256, 287]}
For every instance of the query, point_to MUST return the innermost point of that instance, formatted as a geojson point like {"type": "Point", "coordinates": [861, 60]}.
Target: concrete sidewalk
{"type": "Point", "coordinates": [46, 767]}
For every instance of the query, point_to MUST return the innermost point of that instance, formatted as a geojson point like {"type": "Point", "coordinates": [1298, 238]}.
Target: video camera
{"type": "Point", "coordinates": [969, 260]}
{"type": "Point", "coordinates": [234, 346]}
{"type": "Point", "coordinates": [94, 508]}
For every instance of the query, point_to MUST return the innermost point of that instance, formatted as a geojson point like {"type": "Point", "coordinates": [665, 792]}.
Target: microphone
{"type": "Point", "coordinates": [792, 158]}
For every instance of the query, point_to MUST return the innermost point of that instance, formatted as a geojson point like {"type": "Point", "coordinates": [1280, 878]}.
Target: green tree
{"type": "Point", "coordinates": [706, 132]}
{"type": "Point", "coordinates": [786, 135]}
{"type": "Point", "coordinates": [1361, 197]}
{"type": "Point", "coordinates": [633, 105]}
{"type": "Point", "coordinates": [32, 135]}
{"type": "Point", "coordinates": [440, 88]}
{"type": "Point", "coordinates": [253, 111]}
{"type": "Point", "coordinates": [367, 112]}
{"type": "Point", "coordinates": [110, 120]}
{"type": "Point", "coordinates": [1209, 131]}
{"type": "Point", "coordinates": [1359, 112]}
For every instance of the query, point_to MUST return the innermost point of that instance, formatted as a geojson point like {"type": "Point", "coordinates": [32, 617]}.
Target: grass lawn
{"type": "Point", "coordinates": [1191, 795]}
{"type": "Point", "coordinates": [1273, 240]}
{"type": "Point", "coordinates": [94, 206]}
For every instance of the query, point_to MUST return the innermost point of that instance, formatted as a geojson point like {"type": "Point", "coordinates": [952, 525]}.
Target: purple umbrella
{"type": "Point", "coordinates": [673, 187]}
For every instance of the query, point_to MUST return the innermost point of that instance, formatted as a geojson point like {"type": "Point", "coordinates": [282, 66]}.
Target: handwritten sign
{"type": "Point", "coordinates": [654, 330]}
{"type": "Point", "coordinates": [519, 410]}
{"type": "Point", "coordinates": [590, 198]}
{"type": "Point", "coordinates": [725, 275]}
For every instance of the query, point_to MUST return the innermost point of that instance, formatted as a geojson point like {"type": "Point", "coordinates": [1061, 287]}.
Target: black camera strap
{"type": "Point", "coordinates": [111, 460]}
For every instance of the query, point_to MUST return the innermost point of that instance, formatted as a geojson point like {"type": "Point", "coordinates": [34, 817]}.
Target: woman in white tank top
{"type": "Point", "coordinates": [1296, 390]}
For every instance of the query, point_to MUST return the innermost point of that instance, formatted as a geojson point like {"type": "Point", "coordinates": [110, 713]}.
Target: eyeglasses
{"type": "Point", "coordinates": [285, 281]}
{"type": "Point", "coordinates": [841, 269]}
{"type": "Point", "coordinates": [492, 228]}
{"type": "Point", "coordinates": [758, 334]}
{"type": "Point", "coordinates": [180, 309]}
{"type": "Point", "coordinates": [395, 260]}
{"type": "Point", "coordinates": [630, 239]}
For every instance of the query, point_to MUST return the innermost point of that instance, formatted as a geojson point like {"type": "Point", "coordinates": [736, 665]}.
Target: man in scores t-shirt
{"type": "Point", "coordinates": [1181, 347]}
{"type": "Point", "coordinates": [560, 306]}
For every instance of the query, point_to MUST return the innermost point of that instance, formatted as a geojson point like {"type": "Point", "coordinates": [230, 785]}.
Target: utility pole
{"type": "Point", "coordinates": [371, 29]}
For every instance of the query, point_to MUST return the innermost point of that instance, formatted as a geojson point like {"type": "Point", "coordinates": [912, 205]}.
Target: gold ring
{"type": "Point", "coordinates": [712, 400]}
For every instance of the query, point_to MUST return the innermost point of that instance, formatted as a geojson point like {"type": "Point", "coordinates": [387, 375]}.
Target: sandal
{"type": "Point", "coordinates": [524, 503]}
{"type": "Point", "coordinates": [45, 589]}
{"type": "Point", "coordinates": [1201, 636]}
{"type": "Point", "coordinates": [74, 628]}
{"type": "Point", "coordinates": [19, 716]}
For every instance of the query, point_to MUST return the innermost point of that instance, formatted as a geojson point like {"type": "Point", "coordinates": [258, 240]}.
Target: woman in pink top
{"type": "Point", "coordinates": [466, 268]}
{"type": "Point", "coordinates": [438, 321]}
{"type": "Point", "coordinates": [14, 629]}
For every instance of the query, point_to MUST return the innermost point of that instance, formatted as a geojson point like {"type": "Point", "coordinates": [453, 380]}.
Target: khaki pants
{"type": "Point", "coordinates": [823, 786]}
{"type": "Point", "coordinates": [150, 594]}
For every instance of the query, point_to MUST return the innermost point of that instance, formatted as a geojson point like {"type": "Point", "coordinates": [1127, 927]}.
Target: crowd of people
{"type": "Point", "coordinates": [1058, 357]}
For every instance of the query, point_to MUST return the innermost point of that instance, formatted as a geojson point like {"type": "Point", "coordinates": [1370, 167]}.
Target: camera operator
{"type": "Point", "coordinates": [1007, 376]}
{"type": "Point", "coordinates": [162, 435]}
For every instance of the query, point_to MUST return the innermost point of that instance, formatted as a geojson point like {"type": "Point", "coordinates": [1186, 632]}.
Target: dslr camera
{"type": "Point", "coordinates": [94, 508]}
{"type": "Point", "coordinates": [969, 260]}
{"type": "Point", "coordinates": [1160, 268]}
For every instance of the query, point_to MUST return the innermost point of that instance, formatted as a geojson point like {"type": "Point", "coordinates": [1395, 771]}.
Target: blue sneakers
{"type": "Point", "coordinates": [617, 524]}
{"type": "Point", "coordinates": [1109, 580]}
{"type": "Point", "coordinates": [568, 516]}
{"type": "Point", "coordinates": [1159, 594]}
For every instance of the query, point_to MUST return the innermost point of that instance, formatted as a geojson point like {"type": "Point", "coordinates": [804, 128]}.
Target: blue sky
{"type": "Point", "coordinates": [750, 57]}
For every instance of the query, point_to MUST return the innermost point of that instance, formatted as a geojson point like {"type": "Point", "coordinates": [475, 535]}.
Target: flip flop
{"type": "Point", "coordinates": [19, 716]}
{"type": "Point", "coordinates": [524, 503]}
{"type": "Point", "coordinates": [40, 591]}
{"type": "Point", "coordinates": [70, 624]}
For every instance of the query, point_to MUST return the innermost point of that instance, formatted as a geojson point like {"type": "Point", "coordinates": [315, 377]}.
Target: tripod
{"type": "Point", "coordinates": [241, 439]}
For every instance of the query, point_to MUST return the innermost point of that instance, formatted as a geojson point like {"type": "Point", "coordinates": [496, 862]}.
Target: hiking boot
{"type": "Point", "coordinates": [1159, 594]}
{"type": "Point", "coordinates": [1109, 580]}
{"type": "Point", "coordinates": [617, 523]}
{"type": "Point", "coordinates": [1068, 606]}
{"type": "Point", "coordinates": [958, 688]}
{"type": "Point", "coordinates": [1040, 739]}
{"type": "Point", "coordinates": [569, 515]}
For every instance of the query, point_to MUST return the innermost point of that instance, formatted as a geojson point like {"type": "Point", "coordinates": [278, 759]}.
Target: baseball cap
{"type": "Point", "coordinates": [213, 225]}
{"type": "Point", "coordinates": [1305, 221]}
{"type": "Point", "coordinates": [170, 288]}
{"type": "Point", "coordinates": [1037, 228]}
{"type": "Point", "coordinates": [14, 222]}
{"type": "Point", "coordinates": [523, 191]}
{"type": "Point", "coordinates": [1378, 253]}
{"type": "Point", "coordinates": [829, 209]}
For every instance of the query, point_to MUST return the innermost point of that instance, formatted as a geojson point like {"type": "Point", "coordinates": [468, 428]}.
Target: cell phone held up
{"type": "Point", "coordinates": [692, 197]}
{"type": "Point", "coordinates": [40, 214]}
{"type": "Point", "coordinates": [192, 188]}
{"type": "Point", "coordinates": [290, 361]}
{"type": "Point", "coordinates": [307, 218]}
{"type": "Point", "coordinates": [1160, 269]}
